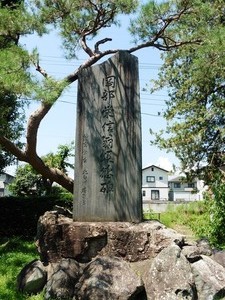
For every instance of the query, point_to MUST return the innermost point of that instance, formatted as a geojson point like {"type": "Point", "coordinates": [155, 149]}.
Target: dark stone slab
{"type": "Point", "coordinates": [108, 142]}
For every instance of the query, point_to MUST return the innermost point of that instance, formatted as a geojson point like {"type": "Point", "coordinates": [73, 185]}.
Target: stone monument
{"type": "Point", "coordinates": [108, 142]}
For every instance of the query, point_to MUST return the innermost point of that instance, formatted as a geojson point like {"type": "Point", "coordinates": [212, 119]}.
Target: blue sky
{"type": "Point", "coordinates": [58, 127]}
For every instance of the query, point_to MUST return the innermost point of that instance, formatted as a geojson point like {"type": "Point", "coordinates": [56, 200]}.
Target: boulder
{"type": "Point", "coordinates": [195, 251]}
{"type": "Point", "coordinates": [170, 276]}
{"type": "Point", "coordinates": [62, 279]}
{"type": "Point", "coordinates": [32, 278]}
{"type": "Point", "coordinates": [219, 257]}
{"type": "Point", "coordinates": [209, 278]}
{"type": "Point", "coordinates": [109, 278]}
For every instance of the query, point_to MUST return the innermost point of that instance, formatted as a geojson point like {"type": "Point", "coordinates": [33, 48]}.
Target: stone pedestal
{"type": "Point", "coordinates": [60, 237]}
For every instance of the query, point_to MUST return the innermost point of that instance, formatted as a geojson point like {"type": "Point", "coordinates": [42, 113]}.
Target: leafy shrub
{"type": "Point", "coordinates": [216, 205]}
{"type": "Point", "coordinates": [19, 216]}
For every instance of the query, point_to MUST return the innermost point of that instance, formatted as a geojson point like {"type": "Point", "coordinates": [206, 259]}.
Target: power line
{"type": "Point", "coordinates": [83, 59]}
{"type": "Point", "coordinates": [152, 115]}
{"type": "Point", "coordinates": [62, 62]}
{"type": "Point", "coordinates": [74, 103]}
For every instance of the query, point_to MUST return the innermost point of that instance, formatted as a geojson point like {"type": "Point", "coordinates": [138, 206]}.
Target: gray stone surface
{"type": "Point", "coordinates": [108, 142]}
{"type": "Point", "coordinates": [170, 276]}
{"type": "Point", "coordinates": [108, 278]}
{"type": "Point", "coordinates": [32, 278]}
{"type": "Point", "coordinates": [63, 276]}
{"type": "Point", "coordinates": [83, 241]}
{"type": "Point", "coordinates": [195, 251]}
{"type": "Point", "coordinates": [219, 257]}
{"type": "Point", "coordinates": [209, 279]}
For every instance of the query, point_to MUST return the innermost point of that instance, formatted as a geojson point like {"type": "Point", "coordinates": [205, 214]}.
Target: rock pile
{"type": "Point", "coordinates": [120, 261]}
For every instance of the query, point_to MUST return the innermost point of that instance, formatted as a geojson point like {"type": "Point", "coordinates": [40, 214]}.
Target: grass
{"type": "Point", "coordinates": [191, 219]}
{"type": "Point", "coordinates": [15, 253]}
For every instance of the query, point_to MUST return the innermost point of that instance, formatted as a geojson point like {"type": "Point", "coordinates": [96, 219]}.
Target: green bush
{"type": "Point", "coordinates": [19, 216]}
{"type": "Point", "coordinates": [216, 204]}
{"type": "Point", "coordinates": [206, 219]}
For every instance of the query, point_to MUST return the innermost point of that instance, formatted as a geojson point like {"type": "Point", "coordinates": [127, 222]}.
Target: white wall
{"type": "Point", "coordinates": [163, 193]}
{"type": "Point", "coordinates": [157, 173]}
{"type": "Point", "coordinates": [160, 184]}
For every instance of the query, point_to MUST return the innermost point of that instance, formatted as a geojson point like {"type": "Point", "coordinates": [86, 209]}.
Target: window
{"type": "Point", "coordinates": [160, 178]}
{"type": "Point", "coordinates": [150, 178]}
{"type": "Point", "coordinates": [152, 169]}
{"type": "Point", "coordinates": [177, 185]}
{"type": "Point", "coordinates": [155, 194]}
{"type": "Point", "coordinates": [191, 185]}
{"type": "Point", "coordinates": [144, 193]}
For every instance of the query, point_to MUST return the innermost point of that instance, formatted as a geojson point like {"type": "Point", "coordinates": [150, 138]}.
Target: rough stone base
{"type": "Point", "coordinates": [121, 261]}
{"type": "Point", "coordinates": [58, 237]}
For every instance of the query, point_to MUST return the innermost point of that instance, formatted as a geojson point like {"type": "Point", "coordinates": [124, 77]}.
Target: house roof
{"type": "Point", "coordinates": [154, 166]}
{"type": "Point", "coordinates": [176, 179]}
{"type": "Point", "coordinates": [7, 174]}
{"type": "Point", "coordinates": [180, 178]}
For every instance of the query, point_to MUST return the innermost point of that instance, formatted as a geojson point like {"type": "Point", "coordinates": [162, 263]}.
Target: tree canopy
{"type": "Point", "coordinates": [195, 79]}
{"type": "Point", "coordinates": [169, 26]}
{"type": "Point", "coordinates": [10, 113]}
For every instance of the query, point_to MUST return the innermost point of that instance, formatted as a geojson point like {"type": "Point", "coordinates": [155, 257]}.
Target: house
{"type": "Point", "coordinates": [5, 179]}
{"type": "Point", "coordinates": [182, 190]}
{"type": "Point", "coordinates": [154, 183]}
{"type": "Point", "coordinates": [157, 185]}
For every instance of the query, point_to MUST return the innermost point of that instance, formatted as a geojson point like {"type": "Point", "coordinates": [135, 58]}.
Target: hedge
{"type": "Point", "coordinates": [19, 216]}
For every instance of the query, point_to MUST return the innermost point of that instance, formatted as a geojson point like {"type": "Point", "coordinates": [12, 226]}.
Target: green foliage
{"type": "Point", "coordinates": [205, 219]}
{"type": "Point", "coordinates": [28, 182]}
{"type": "Point", "coordinates": [12, 67]}
{"type": "Point", "coordinates": [62, 194]}
{"type": "Point", "coordinates": [191, 218]}
{"type": "Point", "coordinates": [78, 20]}
{"type": "Point", "coordinates": [16, 79]}
{"type": "Point", "coordinates": [194, 216]}
{"type": "Point", "coordinates": [194, 76]}
{"type": "Point", "coordinates": [59, 160]}
{"type": "Point", "coordinates": [49, 90]}
{"type": "Point", "coordinates": [14, 254]}
{"type": "Point", "coordinates": [150, 215]}
{"type": "Point", "coordinates": [216, 204]}
{"type": "Point", "coordinates": [149, 19]}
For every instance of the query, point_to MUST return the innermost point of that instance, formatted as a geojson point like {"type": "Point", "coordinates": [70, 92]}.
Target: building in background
{"type": "Point", "coordinates": [182, 190]}
{"type": "Point", "coordinates": [155, 183]}
{"type": "Point", "coordinates": [159, 185]}
{"type": "Point", "coordinates": [5, 180]}
{"type": "Point", "coordinates": [161, 190]}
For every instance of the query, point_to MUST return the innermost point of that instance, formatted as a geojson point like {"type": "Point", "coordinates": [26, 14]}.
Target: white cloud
{"type": "Point", "coordinates": [164, 163]}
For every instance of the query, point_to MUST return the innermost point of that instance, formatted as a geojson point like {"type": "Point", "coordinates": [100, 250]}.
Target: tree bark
{"type": "Point", "coordinates": [30, 156]}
